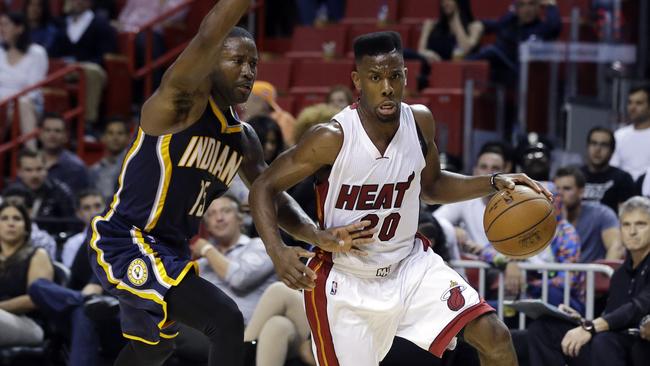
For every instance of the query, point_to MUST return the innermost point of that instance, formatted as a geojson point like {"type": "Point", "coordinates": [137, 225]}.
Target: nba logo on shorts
{"type": "Point", "coordinates": [334, 288]}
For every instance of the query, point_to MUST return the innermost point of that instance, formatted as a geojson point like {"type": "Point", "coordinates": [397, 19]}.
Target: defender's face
{"type": "Point", "coordinates": [381, 80]}
{"type": "Point", "coordinates": [236, 70]}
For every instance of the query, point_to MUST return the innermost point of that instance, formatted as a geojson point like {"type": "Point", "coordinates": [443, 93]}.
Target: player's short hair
{"type": "Point", "coordinates": [239, 32]}
{"type": "Point", "coordinates": [572, 171]}
{"type": "Point", "coordinates": [612, 139]}
{"type": "Point", "coordinates": [378, 43]}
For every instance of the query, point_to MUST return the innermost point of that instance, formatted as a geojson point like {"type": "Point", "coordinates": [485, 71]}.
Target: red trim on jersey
{"type": "Point", "coordinates": [441, 342]}
{"type": "Point", "coordinates": [426, 243]}
{"type": "Point", "coordinates": [321, 195]}
{"type": "Point", "coordinates": [316, 309]}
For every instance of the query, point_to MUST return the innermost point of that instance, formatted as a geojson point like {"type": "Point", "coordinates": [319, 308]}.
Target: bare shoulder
{"type": "Point", "coordinates": [424, 119]}
{"type": "Point", "coordinates": [321, 143]}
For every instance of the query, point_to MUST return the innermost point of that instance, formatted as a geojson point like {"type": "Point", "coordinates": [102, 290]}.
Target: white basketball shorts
{"type": "Point", "coordinates": [354, 318]}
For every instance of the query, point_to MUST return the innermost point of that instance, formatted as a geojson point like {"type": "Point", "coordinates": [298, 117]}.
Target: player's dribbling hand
{"type": "Point", "coordinates": [290, 270]}
{"type": "Point", "coordinates": [346, 238]}
{"type": "Point", "coordinates": [508, 181]}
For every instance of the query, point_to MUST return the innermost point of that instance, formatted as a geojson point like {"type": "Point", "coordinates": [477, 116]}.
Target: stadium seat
{"type": "Point", "coordinates": [602, 281]}
{"type": "Point", "coordinates": [318, 75]}
{"type": "Point", "coordinates": [492, 9]}
{"type": "Point", "coordinates": [414, 67]}
{"type": "Point", "coordinates": [56, 100]}
{"type": "Point", "coordinates": [447, 108]}
{"type": "Point", "coordinates": [454, 74]}
{"type": "Point", "coordinates": [287, 103]}
{"type": "Point", "coordinates": [308, 41]}
{"type": "Point", "coordinates": [366, 11]}
{"type": "Point", "coordinates": [416, 11]}
{"type": "Point", "coordinates": [356, 30]}
{"type": "Point", "coordinates": [277, 72]}
{"type": "Point", "coordinates": [118, 94]}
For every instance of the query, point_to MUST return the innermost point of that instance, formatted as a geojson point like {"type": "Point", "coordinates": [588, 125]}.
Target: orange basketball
{"type": "Point", "coordinates": [519, 223]}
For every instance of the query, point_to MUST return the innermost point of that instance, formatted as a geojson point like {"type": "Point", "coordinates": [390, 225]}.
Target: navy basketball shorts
{"type": "Point", "coordinates": [138, 269]}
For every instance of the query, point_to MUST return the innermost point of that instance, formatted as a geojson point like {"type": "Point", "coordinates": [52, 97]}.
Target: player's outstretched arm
{"type": "Point", "coordinates": [188, 76]}
{"type": "Point", "coordinates": [440, 186]}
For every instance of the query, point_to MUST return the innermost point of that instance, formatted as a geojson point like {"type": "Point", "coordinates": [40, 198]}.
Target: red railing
{"type": "Point", "coordinates": [146, 71]}
{"type": "Point", "coordinates": [78, 112]}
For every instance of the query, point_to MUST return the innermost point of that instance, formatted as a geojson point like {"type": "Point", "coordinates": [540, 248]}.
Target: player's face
{"type": "Point", "coordinates": [222, 220]}
{"type": "Point", "coordinates": [12, 225]}
{"type": "Point", "coordinates": [489, 163]}
{"type": "Point", "coordinates": [381, 80]}
{"type": "Point", "coordinates": [89, 207]}
{"type": "Point", "coordinates": [638, 107]}
{"type": "Point", "coordinates": [599, 149]}
{"type": "Point", "coordinates": [236, 69]}
{"type": "Point", "coordinates": [115, 138]}
{"type": "Point", "coordinates": [635, 230]}
{"type": "Point", "coordinates": [568, 191]}
{"type": "Point", "coordinates": [53, 134]}
{"type": "Point", "coordinates": [32, 172]}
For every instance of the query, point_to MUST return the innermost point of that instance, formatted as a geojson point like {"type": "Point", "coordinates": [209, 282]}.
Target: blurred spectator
{"type": "Point", "coordinates": [643, 184]}
{"type": "Point", "coordinates": [22, 64]}
{"type": "Point", "coordinates": [504, 149]}
{"type": "Point", "coordinates": [319, 12]}
{"type": "Point", "coordinates": [52, 198]}
{"type": "Point", "coordinates": [540, 160]}
{"type": "Point", "coordinates": [467, 216]}
{"type": "Point", "coordinates": [632, 152]}
{"type": "Point", "coordinates": [20, 265]}
{"type": "Point", "coordinates": [270, 136]}
{"type": "Point", "coordinates": [339, 96]}
{"type": "Point", "coordinates": [85, 39]}
{"type": "Point", "coordinates": [603, 341]}
{"type": "Point", "coordinates": [521, 24]}
{"type": "Point", "coordinates": [597, 225]}
{"type": "Point", "coordinates": [232, 261]}
{"type": "Point", "coordinates": [41, 28]}
{"type": "Point", "coordinates": [104, 173]}
{"type": "Point", "coordinates": [454, 35]}
{"type": "Point", "coordinates": [38, 238]}
{"type": "Point", "coordinates": [262, 103]}
{"type": "Point", "coordinates": [61, 163]}
{"type": "Point", "coordinates": [604, 183]}
{"type": "Point", "coordinates": [279, 328]}
{"type": "Point", "coordinates": [90, 203]}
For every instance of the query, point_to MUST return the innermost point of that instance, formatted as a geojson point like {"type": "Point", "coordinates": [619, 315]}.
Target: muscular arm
{"type": "Point", "coordinates": [317, 148]}
{"type": "Point", "coordinates": [269, 203]}
{"type": "Point", "coordinates": [439, 186]}
{"type": "Point", "coordinates": [169, 107]}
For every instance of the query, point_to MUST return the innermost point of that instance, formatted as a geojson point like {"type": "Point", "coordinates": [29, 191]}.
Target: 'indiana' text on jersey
{"type": "Point", "coordinates": [168, 181]}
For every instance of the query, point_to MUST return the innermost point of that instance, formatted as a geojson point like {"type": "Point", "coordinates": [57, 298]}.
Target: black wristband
{"type": "Point", "coordinates": [492, 183]}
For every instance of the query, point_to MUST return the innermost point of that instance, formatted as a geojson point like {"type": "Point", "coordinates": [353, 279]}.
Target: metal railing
{"type": "Point", "coordinates": [589, 268]}
{"type": "Point", "coordinates": [12, 102]}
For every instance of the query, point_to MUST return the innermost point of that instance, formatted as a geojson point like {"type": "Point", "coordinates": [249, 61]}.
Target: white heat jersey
{"type": "Point", "coordinates": [364, 185]}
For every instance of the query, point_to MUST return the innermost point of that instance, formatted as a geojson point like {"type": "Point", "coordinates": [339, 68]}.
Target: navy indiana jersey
{"type": "Point", "coordinates": [168, 181]}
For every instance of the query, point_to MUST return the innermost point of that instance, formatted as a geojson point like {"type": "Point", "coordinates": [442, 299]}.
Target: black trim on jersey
{"type": "Point", "coordinates": [423, 142]}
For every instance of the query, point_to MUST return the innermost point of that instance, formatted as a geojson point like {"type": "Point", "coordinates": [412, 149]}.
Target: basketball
{"type": "Point", "coordinates": [519, 223]}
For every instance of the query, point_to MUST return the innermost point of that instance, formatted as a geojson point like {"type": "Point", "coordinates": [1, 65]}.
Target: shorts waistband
{"type": "Point", "coordinates": [368, 272]}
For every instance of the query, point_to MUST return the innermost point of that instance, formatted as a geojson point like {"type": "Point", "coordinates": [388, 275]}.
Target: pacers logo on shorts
{"type": "Point", "coordinates": [137, 272]}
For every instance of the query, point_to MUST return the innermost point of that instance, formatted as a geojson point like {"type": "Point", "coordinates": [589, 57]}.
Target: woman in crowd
{"type": "Point", "coordinates": [22, 63]}
{"type": "Point", "coordinates": [20, 265]}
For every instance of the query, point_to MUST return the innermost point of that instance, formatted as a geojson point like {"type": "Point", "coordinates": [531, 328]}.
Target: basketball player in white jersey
{"type": "Point", "coordinates": [374, 161]}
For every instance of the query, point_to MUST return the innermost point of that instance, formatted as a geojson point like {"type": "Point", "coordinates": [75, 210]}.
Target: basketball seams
{"type": "Point", "coordinates": [511, 207]}
{"type": "Point", "coordinates": [533, 226]}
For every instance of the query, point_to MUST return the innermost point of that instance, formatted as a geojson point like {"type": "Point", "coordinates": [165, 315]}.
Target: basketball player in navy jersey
{"type": "Point", "coordinates": [188, 148]}
{"type": "Point", "coordinates": [374, 161]}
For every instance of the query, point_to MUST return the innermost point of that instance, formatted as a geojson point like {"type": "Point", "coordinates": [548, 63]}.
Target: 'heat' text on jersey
{"type": "Point", "coordinates": [206, 153]}
{"type": "Point", "coordinates": [371, 197]}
